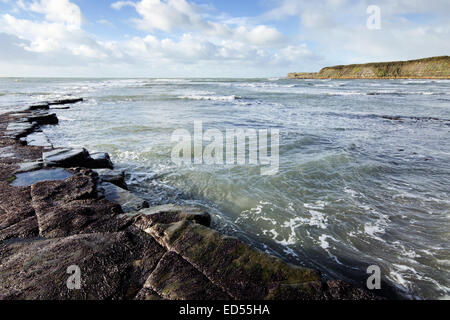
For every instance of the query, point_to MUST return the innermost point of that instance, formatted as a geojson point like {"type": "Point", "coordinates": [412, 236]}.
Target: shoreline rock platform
{"type": "Point", "coordinates": [69, 207]}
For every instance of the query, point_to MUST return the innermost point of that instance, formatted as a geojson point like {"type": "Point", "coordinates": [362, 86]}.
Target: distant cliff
{"type": "Point", "coordinates": [435, 68]}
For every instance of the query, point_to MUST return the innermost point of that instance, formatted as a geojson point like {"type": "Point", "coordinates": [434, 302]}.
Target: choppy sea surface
{"type": "Point", "coordinates": [357, 186]}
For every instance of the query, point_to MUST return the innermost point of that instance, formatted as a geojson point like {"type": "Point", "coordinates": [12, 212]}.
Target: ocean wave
{"type": "Point", "coordinates": [329, 85]}
{"type": "Point", "coordinates": [420, 82]}
{"type": "Point", "coordinates": [404, 93]}
{"type": "Point", "coordinates": [210, 97]}
{"type": "Point", "coordinates": [175, 81]}
{"type": "Point", "coordinates": [94, 86]}
{"type": "Point", "coordinates": [264, 85]}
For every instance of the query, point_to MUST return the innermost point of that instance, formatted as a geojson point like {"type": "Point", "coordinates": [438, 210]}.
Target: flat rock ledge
{"type": "Point", "coordinates": [124, 250]}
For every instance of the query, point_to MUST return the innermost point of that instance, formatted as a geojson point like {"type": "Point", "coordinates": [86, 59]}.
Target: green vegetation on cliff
{"type": "Point", "coordinates": [435, 67]}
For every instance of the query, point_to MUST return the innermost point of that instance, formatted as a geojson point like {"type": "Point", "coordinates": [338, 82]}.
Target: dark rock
{"type": "Point", "coordinates": [7, 152]}
{"type": "Point", "coordinates": [15, 153]}
{"type": "Point", "coordinates": [176, 279]}
{"type": "Point", "coordinates": [148, 295]}
{"type": "Point", "coordinates": [43, 118]}
{"type": "Point", "coordinates": [339, 290]}
{"type": "Point", "coordinates": [170, 213]}
{"type": "Point", "coordinates": [238, 269]}
{"type": "Point", "coordinates": [113, 266]}
{"type": "Point", "coordinates": [394, 118]}
{"type": "Point", "coordinates": [17, 130]}
{"type": "Point", "coordinates": [99, 160]}
{"type": "Point", "coordinates": [68, 158]}
{"type": "Point", "coordinates": [29, 166]}
{"type": "Point", "coordinates": [41, 106]}
{"type": "Point", "coordinates": [127, 200]}
{"type": "Point", "coordinates": [71, 207]}
{"type": "Point", "coordinates": [65, 101]}
{"type": "Point", "coordinates": [59, 107]}
{"type": "Point", "coordinates": [65, 158]}
{"type": "Point", "coordinates": [116, 177]}
{"type": "Point", "coordinates": [17, 218]}
{"type": "Point", "coordinates": [27, 228]}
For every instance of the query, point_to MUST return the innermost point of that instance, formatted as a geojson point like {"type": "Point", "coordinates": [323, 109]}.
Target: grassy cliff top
{"type": "Point", "coordinates": [434, 67]}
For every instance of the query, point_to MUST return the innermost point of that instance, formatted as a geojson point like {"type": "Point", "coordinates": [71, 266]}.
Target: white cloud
{"type": "Point", "coordinates": [120, 4]}
{"type": "Point", "coordinates": [55, 11]}
{"type": "Point", "coordinates": [167, 15]}
{"type": "Point", "coordinates": [293, 53]}
{"type": "Point", "coordinates": [50, 36]}
{"type": "Point", "coordinates": [312, 19]}
{"type": "Point", "coordinates": [259, 35]}
{"type": "Point", "coordinates": [181, 15]}
{"type": "Point", "coordinates": [410, 29]}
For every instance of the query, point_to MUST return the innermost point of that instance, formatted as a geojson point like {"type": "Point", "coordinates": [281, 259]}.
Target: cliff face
{"type": "Point", "coordinates": [435, 68]}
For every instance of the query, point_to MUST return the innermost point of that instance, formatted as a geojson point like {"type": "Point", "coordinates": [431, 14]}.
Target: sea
{"type": "Point", "coordinates": [364, 165]}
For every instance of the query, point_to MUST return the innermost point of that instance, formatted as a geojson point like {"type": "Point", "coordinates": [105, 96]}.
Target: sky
{"type": "Point", "coordinates": [212, 38]}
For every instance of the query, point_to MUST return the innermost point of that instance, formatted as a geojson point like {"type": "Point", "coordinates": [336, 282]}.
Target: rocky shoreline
{"type": "Point", "coordinates": [64, 207]}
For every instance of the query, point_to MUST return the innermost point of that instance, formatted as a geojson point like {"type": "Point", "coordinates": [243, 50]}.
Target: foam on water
{"type": "Point", "coordinates": [210, 97]}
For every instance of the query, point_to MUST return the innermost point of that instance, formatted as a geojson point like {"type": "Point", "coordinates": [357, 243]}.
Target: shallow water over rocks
{"type": "Point", "coordinates": [29, 178]}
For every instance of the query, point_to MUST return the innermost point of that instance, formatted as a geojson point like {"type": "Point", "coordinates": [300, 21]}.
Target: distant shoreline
{"type": "Point", "coordinates": [434, 68]}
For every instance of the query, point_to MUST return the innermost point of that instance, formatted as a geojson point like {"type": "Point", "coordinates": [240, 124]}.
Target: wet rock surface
{"type": "Point", "coordinates": [171, 213]}
{"type": "Point", "coordinates": [18, 130]}
{"type": "Point", "coordinates": [65, 101]}
{"type": "Point", "coordinates": [65, 157]}
{"type": "Point", "coordinates": [78, 157]}
{"type": "Point", "coordinates": [108, 263]}
{"type": "Point", "coordinates": [99, 160]}
{"type": "Point", "coordinates": [122, 249]}
{"type": "Point", "coordinates": [38, 139]}
{"type": "Point", "coordinates": [43, 118]}
{"type": "Point", "coordinates": [176, 279]}
{"type": "Point", "coordinates": [29, 166]}
{"type": "Point", "coordinates": [241, 271]}
{"type": "Point", "coordinates": [127, 200]}
{"type": "Point", "coordinates": [39, 106]}
{"type": "Point", "coordinates": [116, 177]}
{"type": "Point", "coordinates": [72, 206]}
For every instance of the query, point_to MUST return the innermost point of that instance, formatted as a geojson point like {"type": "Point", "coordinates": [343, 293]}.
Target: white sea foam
{"type": "Point", "coordinates": [351, 192]}
{"type": "Point", "coordinates": [404, 251]}
{"type": "Point", "coordinates": [317, 205]}
{"type": "Point", "coordinates": [210, 97]}
{"type": "Point", "coordinates": [265, 85]}
{"type": "Point", "coordinates": [323, 241]}
{"type": "Point", "coordinates": [318, 219]}
{"type": "Point", "coordinates": [170, 81]}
